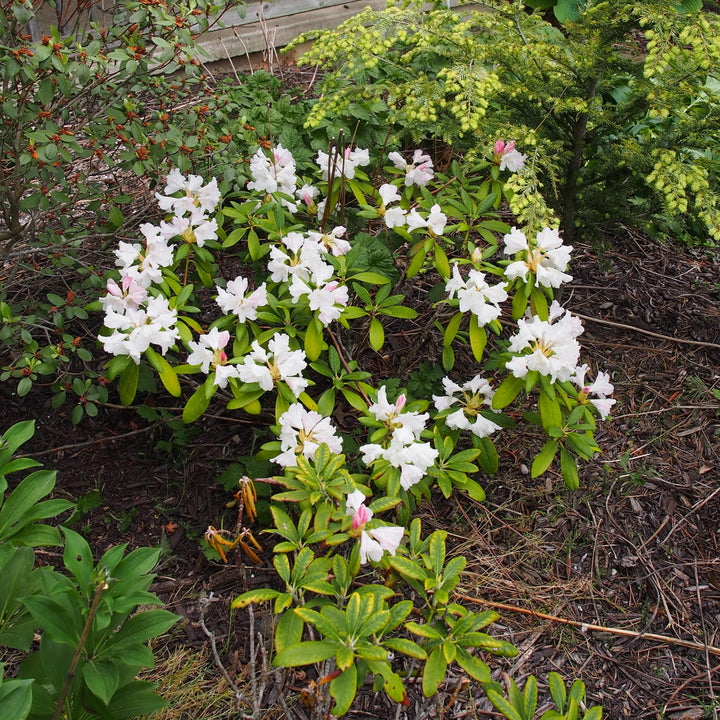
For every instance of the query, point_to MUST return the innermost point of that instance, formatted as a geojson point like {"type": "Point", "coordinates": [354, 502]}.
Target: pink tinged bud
{"type": "Point", "coordinates": [223, 357]}
{"type": "Point", "coordinates": [360, 517]}
{"type": "Point", "coordinates": [348, 150]}
{"type": "Point", "coordinates": [307, 199]}
{"type": "Point", "coordinates": [331, 285]}
{"type": "Point", "coordinates": [509, 147]}
{"type": "Point", "coordinates": [476, 255]}
{"type": "Point", "coordinates": [126, 283]}
{"type": "Point", "coordinates": [112, 288]}
{"type": "Point", "coordinates": [400, 403]}
{"type": "Point", "coordinates": [499, 147]}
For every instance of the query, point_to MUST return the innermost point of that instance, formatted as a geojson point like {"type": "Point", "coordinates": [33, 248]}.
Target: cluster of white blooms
{"type": "Point", "coordinates": [301, 262]}
{"type": "Point", "coordinates": [136, 317]}
{"type": "Point", "coordinates": [473, 396]}
{"type": "Point", "coordinates": [277, 363]}
{"type": "Point", "coordinates": [344, 163]}
{"type": "Point", "coordinates": [373, 541]}
{"type": "Point", "coordinates": [548, 346]}
{"type": "Point", "coordinates": [274, 175]}
{"type": "Point", "coordinates": [405, 450]}
{"type": "Point", "coordinates": [508, 157]}
{"type": "Point", "coordinates": [418, 172]}
{"type": "Point", "coordinates": [475, 295]}
{"type": "Point", "coordinates": [546, 257]}
{"type": "Point", "coordinates": [397, 216]}
{"type": "Point", "coordinates": [302, 432]}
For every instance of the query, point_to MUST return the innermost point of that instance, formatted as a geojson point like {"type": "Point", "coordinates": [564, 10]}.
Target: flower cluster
{"type": "Point", "coordinates": [548, 346]}
{"type": "Point", "coordinates": [546, 257]}
{"type": "Point", "coordinates": [476, 295]}
{"type": "Point", "coordinates": [417, 172]}
{"type": "Point", "coordinates": [137, 317]}
{"type": "Point", "coordinates": [473, 397]}
{"type": "Point", "coordinates": [302, 432]}
{"type": "Point", "coordinates": [405, 450]}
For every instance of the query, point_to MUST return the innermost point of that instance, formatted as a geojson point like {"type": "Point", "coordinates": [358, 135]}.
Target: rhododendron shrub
{"type": "Point", "coordinates": [285, 333]}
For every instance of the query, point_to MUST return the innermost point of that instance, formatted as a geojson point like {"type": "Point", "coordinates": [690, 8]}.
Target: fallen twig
{"type": "Point", "coordinates": [585, 627]}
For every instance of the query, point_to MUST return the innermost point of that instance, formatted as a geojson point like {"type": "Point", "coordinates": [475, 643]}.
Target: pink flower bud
{"type": "Point", "coordinates": [476, 255]}
{"type": "Point", "coordinates": [360, 517]}
{"type": "Point", "coordinates": [400, 403]}
{"type": "Point", "coordinates": [499, 147]}
{"type": "Point", "coordinates": [348, 150]}
{"type": "Point", "coordinates": [509, 147]}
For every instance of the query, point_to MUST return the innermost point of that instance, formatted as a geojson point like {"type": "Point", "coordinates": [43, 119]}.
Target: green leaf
{"type": "Point", "coordinates": [473, 666]}
{"type": "Point", "coordinates": [406, 647]}
{"type": "Point", "coordinates": [377, 334]}
{"type": "Point", "coordinates": [136, 699]}
{"type": "Point", "coordinates": [15, 698]}
{"type": "Point", "coordinates": [434, 673]}
{"type": "Point", "coordinates": [371, 277]}
{"type": "Point", "coordinates": [198, 403]}
{"type": "Point", "coordinates": [478, 338]}
{"type": "Point", "coordinates": [288, 632]}
{"type": "Point", "coordinates": [544, 458]}
{"type": "Point", "coordinates": [165, 371]}
{"type": "Point", "coordinates": [254, 596]}
{"type": "Point", "coordinates": [594, 713]}
{"type": "Point", "coordinates": [102, 678]}
{"type": "Point", "coordinates": [452, 329]}
{"type": "Point", "coordinates": [503, 705]}
{"type": "Point", "coordinates": [557, 690]}
{"type": "Point", "coordinates": [568, 467]}
{"type": "Point", "coordinates": [550, 412]}
{"type": "Point", "coordinates": [314, 343]}
{"type": "Point", "coordinates": [128, 383]}
{"type": "Point", "coordinates": [407, 567]}
{"type": "Point", "coordinates": [17, 511]}
{"type": "Point", "coordinates": [507, 392]}
{"type": "Point", "coordinates": [78, 559]}
{"type": "Point", "coordinates": [305, 653]}
{"type": "Point", "coordinates": [343, 689]}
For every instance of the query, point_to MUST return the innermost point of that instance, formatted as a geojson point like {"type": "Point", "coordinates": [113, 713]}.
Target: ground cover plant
{"type": "Point", "coordinates": [278, 308]}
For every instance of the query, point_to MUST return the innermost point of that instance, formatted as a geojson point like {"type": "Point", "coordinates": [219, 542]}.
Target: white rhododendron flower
{"type": "Point", "coordinates": [546, 257]}
{"type": "Point", "coordinates": [277, 363]}
{"type": "Point", "coordinates": [472, 396]}
{"type": "Point", "coordinates": [233, 299]}
{"type": "Point", "coordinates": [330, 300]}
{"type": "Point", "coordinates": [197, 199]}
{"type": "Point", "coordinates": [601, 388]}
{"type": "Point", "coordinates": [209, 352]}
{"type": "Point", "coordinates": [413, 458]}
{"type": "Point", "coordinates": [302, 432]}
{"type": "Point", "coordinates": [415, 221]}
{"type": "Point", "coordinates": [144, 264]}
{"type": "Point", "coordinates": [437, 220]}
{"type": "Point", "coordinates": [373, 541]}
{"type": "Point", "coordinates": [418, 172]}
{"type": "Point", "coordinates": [332, 241]}
{"type": "Point", "coordinates": [475, 295]}
{"type": "Point", "coordinates": [388, 194]}
{"type": "Point", "coordinates": [304, 259]}
{"type": "Point", "coordinates": [128, 295]}
{"type": "Point", "coordinates": [135, 329]}
{"type": "Point", "coordinates": [394, 217]}
{"type": "Point", "coordinates": [508, 157]}
{"type": "Point", "coordinates": [345, 163]}
{"type": "Point", "coordinates": [550, 347]}
{"type": "Point", "coordinates": [195, 230]}
{"type": "Point", "coordinates": [271, 176]}
{"type": "Point", "coordinates": [392, 415]}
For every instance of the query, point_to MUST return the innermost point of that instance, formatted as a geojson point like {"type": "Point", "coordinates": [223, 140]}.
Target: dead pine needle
{"type": "Point", "coordinates": [589, 627]}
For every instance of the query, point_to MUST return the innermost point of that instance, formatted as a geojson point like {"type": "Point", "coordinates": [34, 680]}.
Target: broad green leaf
{"type": "Point", "coordinates": [473, 666]}
{"type": "Point", "coordinates": [478, 338]}
{"type": "Point", "coordinates": [343, 689]}
{"type": "Point", "coordinates": [314, 339]}
{"type": "Point", "coordinates": [507, 392]}
{"type": "Point", "coordinates": [165, 371]}
{"type": "Point", "coordinates": [377, 334]}
{"type": "Point", "coordinates": [102, 678]}
{"type": "Point", "coordinates": [136, 699]}
{"type": "Point", "coordinates": [557, 690]}
{"type": "Point", "coordinates": [254, 596]}
{"type": "Point", "coordinates": [305, 653]}
{"type": "Point", "coordinates": [198, 403]}
{"type": "Point", "coordinates": [544, 458]}
{"type": "Point", "coordinates": [15, 698]}
{"type": "Point", "coordinates": [288, 631]}
{"type": "Point", "coordinates": [568, 467]}
{"type": "Point", "coordinates": [78, 559]}
{"type": "Point", "coordinates": [407, 647]}
{"type": "Point", "coordinates": [434, 673]}
{"type": "Point", "coordinates": [503, 705]}
{"type": "Point", "coordinates": [128, 383]}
